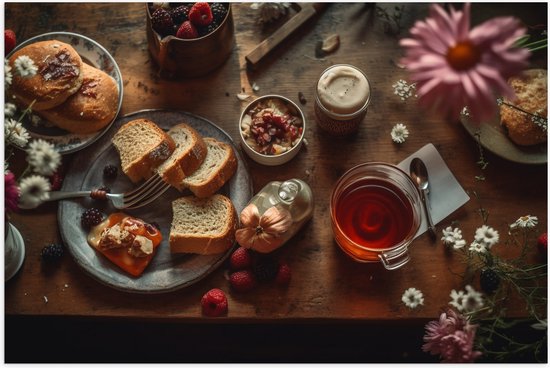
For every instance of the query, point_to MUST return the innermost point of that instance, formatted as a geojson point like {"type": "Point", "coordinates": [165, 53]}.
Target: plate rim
{"type": "Point", "coordinates": [119, 83]}
{"type": "Point", "coordinates": [214, 266]}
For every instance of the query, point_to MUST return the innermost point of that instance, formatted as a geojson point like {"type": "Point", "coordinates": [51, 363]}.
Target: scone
{"type": "Point", "coordinates": [531, 96]}
{"type": "Point", "coordinates": [91, 108]}
{"type": "Point", "coordinates": [59, 75]}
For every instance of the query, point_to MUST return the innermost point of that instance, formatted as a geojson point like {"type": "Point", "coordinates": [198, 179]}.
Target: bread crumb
{"type": "Point", "coordinates": [45, 299]}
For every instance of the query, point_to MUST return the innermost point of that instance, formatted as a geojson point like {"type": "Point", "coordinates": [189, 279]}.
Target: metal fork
{"type": "Point", "coordinates": [146, 193]}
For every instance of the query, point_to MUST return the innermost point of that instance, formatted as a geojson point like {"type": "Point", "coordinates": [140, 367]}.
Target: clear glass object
{"type": "Point", "coordinates": [294, 195]}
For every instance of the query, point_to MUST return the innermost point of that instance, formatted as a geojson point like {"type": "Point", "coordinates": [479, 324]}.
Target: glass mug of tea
{"type": "Point", "coordinates": [375, 211]}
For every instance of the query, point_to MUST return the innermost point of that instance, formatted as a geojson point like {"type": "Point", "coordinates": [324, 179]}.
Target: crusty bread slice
{"type": "Point", "coordinates": [189, 154]}
{"type": "Point", "coordinates": [202, 225]}
{"type": "Point", "coordinates": [218, 167]}
{"type": "Point", "coordinates": [142, 147]}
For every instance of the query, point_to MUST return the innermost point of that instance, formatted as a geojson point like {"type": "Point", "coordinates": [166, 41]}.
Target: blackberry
{"type": "Point", "coordinates": [219, 10]}
{"type": "Point", "coordinates": [162, 22]}
{"type": "Point", "coordinates": [180, 14]}
{"type": "Point", "coordinates": [91, 217]}
{"type": "Point", "coordinates": [265, 268]}
{"type": "Point", "coordinates": [52, 252]}
{"type": "Point", "coordinates": [110, 171]}
{"type": "Point", "coordinates": [489, 280]}
{"type": "Point", "coordinates": [203, 31]}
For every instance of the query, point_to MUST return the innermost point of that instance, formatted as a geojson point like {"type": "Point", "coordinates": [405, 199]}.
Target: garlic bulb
{"type": "Point", "coordinates": [270, 11]}
{"type": "Point", "coordinates": [263, 233]}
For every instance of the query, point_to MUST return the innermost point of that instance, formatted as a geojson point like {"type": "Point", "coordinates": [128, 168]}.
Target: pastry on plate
{"type": "Point", "coordinates": [58, 75]}
{"type": "Point", "coordinates": [531, 96]}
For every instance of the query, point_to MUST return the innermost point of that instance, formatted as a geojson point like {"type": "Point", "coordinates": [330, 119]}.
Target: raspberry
{"type": "Point", "coordinates": [56, 181]}
{"type": "Point", "coordinates": [240, 259]}
{"type": "Point", "coordinates": [489, 280]}
{"type": "Point", "coordinates": [110, 171]}
{"type": "Point", "coordinates": [283, 275]}
{"type": "Point", "coordinates": [162, 22]}
{"type": "Point", "coordinates": [52, 252]}
{"type": "Point", "coordinates": [200, 14]}
{"type": "Point", "coordinates": [180, 14]}
{"type": "Point", "coordinates": [218, 12]}
{"type": "Point", "coordinates": [542, 243]}
{"type": "Point", "coordinates": [10, 41]}
{"type": "Point", "coordinates": [187, 31]}
{"type": "Point", "coordinates": [214, 303]}
{"type": "Point", "coordinates": [91, 217]}
{"type": "Point", "coordinates": [265, 268]}
{"type": "Point", "coordinates": [242, 281]}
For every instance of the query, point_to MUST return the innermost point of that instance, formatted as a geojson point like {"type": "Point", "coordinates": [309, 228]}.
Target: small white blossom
{"type": "Point", "coordinates": [15, 133]}
{"type": "Point", "coordinates": [487, 235]}
{"type": "Point", "coordinates": [413, 298]}
{"type": "Point", "coordinates": [477, 247]}
{"type": "Point", "coordinates": [404, 90]}
{"type": "Point", "coordinates": [25, 66]}
{"type": "Point", "coordinates": [527, 221]}
{"type": "Point", "coordinates": [457, 299]}
{"type": "Point", "coordinates": [453, 237]}
{"type": "Point", "coordinates": [399, 133]}
{"type": "Point", "coordinates": [473, 300]}
{"type": "Point", "coordinates": [7, 72]}
{"type": "Point", "coordinates": [34, 190]}
{"type": "Point", "coordinates": [43, 157]}
{"type": "Point", "coordinates": [9, 110]}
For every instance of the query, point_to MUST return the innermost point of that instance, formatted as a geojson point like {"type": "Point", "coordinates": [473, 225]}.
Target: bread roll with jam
{"type": "Point", "coordinates": [531, 89]}
{"type": "Point", "coordinates": [91, 108]}
{"type": "Point", "coordinates": [59, 75]}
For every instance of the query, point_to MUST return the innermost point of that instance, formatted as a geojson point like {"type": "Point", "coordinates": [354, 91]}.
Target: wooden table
{"type": "Point", "coordinates": [327, 285]}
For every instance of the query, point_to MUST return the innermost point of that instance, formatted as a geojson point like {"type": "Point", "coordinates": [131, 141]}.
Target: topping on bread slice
{"type": "Point", "coordinates": [218, 167]}
{"type": "Point", "coordinates": [202, 225]}
{"type": "Point", "coordinates": [142, 147]}
{"type": "Point", "coordinates": [189, 154]}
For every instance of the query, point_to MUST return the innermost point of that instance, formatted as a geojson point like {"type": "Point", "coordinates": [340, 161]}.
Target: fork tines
{"type": "Point", "coordinates": [146, 193]}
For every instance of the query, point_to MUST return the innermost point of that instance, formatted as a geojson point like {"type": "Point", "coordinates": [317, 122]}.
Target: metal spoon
{"type": "Point", "coordinates": [419, 174]}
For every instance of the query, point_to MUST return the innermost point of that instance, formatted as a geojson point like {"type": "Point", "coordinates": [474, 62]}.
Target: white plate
{"type": "Point", "coordinates": [94, 54]}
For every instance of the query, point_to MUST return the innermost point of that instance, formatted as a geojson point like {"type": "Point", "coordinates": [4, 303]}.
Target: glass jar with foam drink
{"type": "Point", "coordinates": [342, 96]}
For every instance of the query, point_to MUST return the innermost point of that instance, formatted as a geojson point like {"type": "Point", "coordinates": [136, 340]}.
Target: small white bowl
{"type": "Point", "coordinates": [276, 159]}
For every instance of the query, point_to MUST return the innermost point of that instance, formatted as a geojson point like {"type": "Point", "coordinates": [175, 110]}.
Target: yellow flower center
{"type": "Point", "coordinates": [463, 55]}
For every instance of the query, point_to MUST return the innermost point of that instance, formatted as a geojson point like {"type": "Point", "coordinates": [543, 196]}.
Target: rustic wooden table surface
{"type": "Point", "coordinates": [326, 284]}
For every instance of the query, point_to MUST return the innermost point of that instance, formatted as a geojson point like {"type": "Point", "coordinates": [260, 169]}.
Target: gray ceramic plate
{"type": "Point", "coordinates": [166, 272]}
{"type": "Point", "coordinates": [92, 53]}
{"type": "Point", "coordinates": [493, 137]}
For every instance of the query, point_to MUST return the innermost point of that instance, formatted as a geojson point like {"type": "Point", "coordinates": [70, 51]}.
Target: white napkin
{"type": "Point", "coordinates": [446, 194]}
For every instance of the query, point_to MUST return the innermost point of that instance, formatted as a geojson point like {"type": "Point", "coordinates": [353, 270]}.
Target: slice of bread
{"type": "Point", "coordinates": [202, 225]}
{"type": "Point", "coordinates": [142, 147]}
{"type": "Point", "coordinates": [189, 154]}
{"type": "Point", "coordinates": [218, 167]}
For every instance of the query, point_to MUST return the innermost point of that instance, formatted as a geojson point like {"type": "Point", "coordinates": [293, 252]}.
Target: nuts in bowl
{"type": "Point", "coordinates": [272, 129]}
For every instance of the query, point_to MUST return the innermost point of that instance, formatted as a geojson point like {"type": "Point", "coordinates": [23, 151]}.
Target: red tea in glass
{"type": "Point", "coordinates": [375, 213]}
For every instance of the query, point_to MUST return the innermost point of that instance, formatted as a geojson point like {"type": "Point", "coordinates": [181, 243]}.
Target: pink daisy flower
{"type": "Point", "coordinates": [454, 66]}
{"type": "Point", "coordinates": [452, 337]}
{"type": "Point", "coordinates": [11, 192]}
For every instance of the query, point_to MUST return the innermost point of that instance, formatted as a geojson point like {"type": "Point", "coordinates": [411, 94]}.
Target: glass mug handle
{"type": "Point", "coordinates": [394, 259]}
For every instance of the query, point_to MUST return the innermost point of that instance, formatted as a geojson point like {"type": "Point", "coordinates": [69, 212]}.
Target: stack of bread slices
{"type": "Point", "coordinates": [67, 92]}
{"type": "Point", "coordinates": [204, 222]}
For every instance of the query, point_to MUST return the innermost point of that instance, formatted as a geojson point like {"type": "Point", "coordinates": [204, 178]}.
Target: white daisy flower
{"type": "Point", "coordinates": [43, 157]}
{"type": "Point", "coordinates": [477, 247]}
{"type": "Point", "coordinates": [34, 190]}
{"type": "Point", "coordinates": [473, 300]}
{"type": "Point", "coordinates": [487, 235]}
{"type": "Point", "coordinates": [25, 66]}
{"type": "Point", "coordinates": [7, 72]}
{"type": "Point", "coordinates": [404, 90]}
{"type": "Point", "coordinates": [457, 299]}
{"type": "Point", "coordinates": [15, 133]}
{"type": "Point", "coordinates": [413, 298]}
{"type": "Point", "coordinates": [9, 110]}
{"type": "Point", "coordinates": [453, 237]}
{"type": "Point", "coordinates": [399, 133]}
{"type": "Point", "coordinates": [527, 221]}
